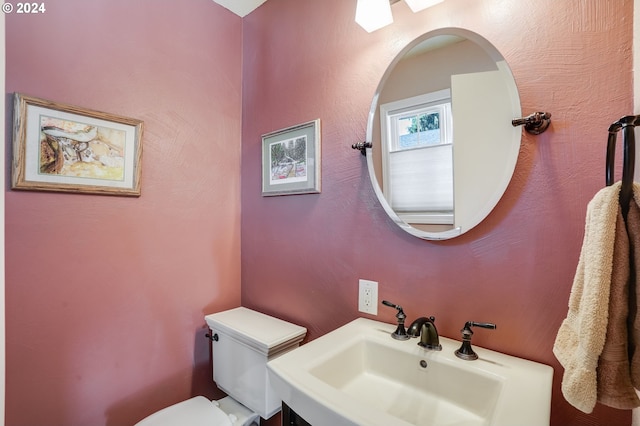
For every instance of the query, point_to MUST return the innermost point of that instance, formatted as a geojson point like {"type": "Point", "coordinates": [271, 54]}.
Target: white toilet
{"type": "Point", "coordinates": [243, 341]}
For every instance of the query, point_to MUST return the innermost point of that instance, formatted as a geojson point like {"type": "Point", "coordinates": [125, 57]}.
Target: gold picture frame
{"type": "Point", "coordinates": [65, 148]}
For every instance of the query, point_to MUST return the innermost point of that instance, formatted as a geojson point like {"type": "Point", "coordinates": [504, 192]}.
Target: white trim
{"type": "Point", "coordinates": [240, 7]}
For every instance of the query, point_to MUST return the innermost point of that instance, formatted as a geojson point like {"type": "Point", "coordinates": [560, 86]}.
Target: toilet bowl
{"type": "Point", "coordinates": [199, 411]}
{"type": "Point", "coordinates": [242, 341]}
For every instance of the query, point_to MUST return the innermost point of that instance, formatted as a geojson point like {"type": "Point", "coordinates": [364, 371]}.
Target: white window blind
{"type": "Point", "coordinates": [422, 179]}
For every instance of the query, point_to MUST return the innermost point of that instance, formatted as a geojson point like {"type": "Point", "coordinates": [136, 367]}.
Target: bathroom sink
{"type": "Point", "coordinates": [359, 375]}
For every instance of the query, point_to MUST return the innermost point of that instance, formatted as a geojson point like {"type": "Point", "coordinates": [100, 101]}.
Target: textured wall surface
{"type": "Point", "coordinates": [302, 255]}
{"type": "Point", "coordinates": [105, 296]}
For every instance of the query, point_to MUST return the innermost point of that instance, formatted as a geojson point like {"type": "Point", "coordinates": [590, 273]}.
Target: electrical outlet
{"type": "Point", "coordinates": [368, 297]}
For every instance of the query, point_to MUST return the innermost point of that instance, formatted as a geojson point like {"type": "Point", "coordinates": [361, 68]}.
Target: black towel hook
{"type": "Point", "coordinates": [627, 124]}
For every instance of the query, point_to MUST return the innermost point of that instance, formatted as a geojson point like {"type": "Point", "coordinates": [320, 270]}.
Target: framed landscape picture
{"type": "Point", "coordinates": [291, 160]}
{"type": "Point", "coordinates": [58, 147]}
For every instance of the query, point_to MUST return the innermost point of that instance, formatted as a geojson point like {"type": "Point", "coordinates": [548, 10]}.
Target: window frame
{"type": "Point", "coordinates": [438, 101]}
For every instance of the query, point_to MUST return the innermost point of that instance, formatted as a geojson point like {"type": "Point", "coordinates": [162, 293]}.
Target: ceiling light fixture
{"type": "Point", "coordinates": [375, 14]}
{"type": "Point", "coordinates": [418, 5]}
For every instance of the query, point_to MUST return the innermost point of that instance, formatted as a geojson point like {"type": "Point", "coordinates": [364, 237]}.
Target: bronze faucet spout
{"type": "Point", "coordinates": [426, 329]}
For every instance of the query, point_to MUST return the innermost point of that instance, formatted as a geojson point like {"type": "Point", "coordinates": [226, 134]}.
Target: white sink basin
{"type": "Point", "coordinates": [359, 375]}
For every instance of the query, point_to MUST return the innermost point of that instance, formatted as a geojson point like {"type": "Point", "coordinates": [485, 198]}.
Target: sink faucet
{"type": "Point", "coordinates": [426, 329]}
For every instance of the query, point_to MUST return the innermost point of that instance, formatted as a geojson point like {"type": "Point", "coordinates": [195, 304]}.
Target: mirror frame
{"type": "Point", "coordinates": [512, 156]}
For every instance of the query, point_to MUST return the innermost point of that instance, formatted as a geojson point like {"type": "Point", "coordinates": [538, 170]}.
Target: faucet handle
{"type": "Point", "coordinates": [392, 305]}
{"type": "Point", "coordinates": [400, 333]}
{"type": "Point", "coordinates": [470, 324]}
{"type": "Point", "coordinates": [466, 351]}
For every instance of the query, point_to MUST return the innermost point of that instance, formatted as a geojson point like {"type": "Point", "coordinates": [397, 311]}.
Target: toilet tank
{"type": "Point", "coordinates": [243, 342]}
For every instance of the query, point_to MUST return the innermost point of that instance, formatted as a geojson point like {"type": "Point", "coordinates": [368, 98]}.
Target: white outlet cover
{"type": "Point", "coordinates": [368, 297]}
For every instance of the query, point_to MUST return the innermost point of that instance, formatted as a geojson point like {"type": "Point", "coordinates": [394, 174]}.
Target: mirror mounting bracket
{"type": "Point", "coordinates": [362, 146]}
{"type": "Point", "coordinates": [534, 123]}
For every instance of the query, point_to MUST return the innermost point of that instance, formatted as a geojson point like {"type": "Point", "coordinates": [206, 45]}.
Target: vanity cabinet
{"type": "Point", "coordinates": [291, 418]}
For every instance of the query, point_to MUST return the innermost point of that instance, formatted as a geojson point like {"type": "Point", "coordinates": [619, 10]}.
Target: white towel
{"type": "Point", "coordinates": [581, 337]}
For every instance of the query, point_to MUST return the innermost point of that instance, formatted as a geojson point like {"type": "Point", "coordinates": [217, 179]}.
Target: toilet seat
{"type": "Point", "coordinates": [197, 411]}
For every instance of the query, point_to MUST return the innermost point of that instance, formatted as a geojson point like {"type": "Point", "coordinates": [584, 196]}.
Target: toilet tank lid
{"type": "Point", "coordinates": [263, 332]}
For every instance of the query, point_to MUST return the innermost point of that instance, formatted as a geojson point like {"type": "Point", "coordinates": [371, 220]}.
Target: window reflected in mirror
{"type": "Point", "coordinates": [418, 157]}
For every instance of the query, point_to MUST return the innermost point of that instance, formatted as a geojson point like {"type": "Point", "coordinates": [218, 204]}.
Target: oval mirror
{"type": "Point", "coordinates": [443, 149]}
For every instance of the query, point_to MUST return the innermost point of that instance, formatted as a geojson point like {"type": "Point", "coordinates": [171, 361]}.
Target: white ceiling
{"type": "Point", "coordinates": [240, 7]}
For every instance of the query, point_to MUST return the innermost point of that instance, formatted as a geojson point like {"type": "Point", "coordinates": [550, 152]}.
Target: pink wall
{"type": "Point", "coordinates": [105, 296]}
{"type": "Point", "coordinates": [302, 255]}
